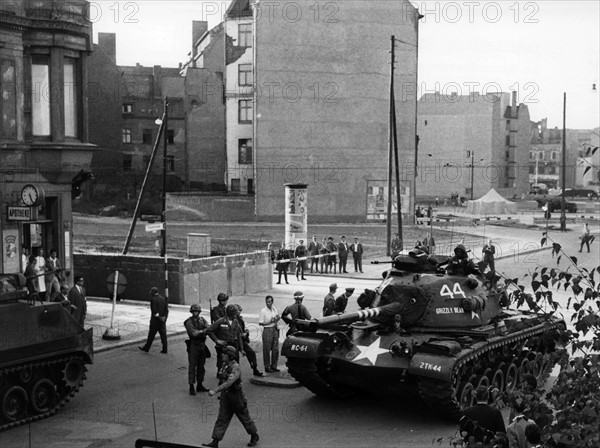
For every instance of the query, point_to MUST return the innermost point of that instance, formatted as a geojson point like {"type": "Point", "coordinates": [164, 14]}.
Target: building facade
{"type": "Point", "coordinates": [469, 144]}
{"type": "Point", "coordinates": [45, 154]}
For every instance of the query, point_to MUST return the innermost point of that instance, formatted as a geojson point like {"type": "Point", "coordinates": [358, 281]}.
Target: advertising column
{"type": "Point", "coordinates": [296, 214]}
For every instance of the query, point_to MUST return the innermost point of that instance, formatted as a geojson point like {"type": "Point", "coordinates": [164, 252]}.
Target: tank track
{"type": "Point", "coordinates": [500, 364]}
{"type": "Point", "coordinates": [36, 390]}
{"type": "Point", "coordinates": [311, 374]}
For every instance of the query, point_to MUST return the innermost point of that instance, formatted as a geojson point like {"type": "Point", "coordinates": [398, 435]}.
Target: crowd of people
{"type": "Point", "coordinates": [321, 257]}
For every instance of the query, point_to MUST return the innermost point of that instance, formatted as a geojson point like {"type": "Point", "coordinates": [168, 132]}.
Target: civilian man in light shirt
{"type": "Point", "coordinates": [268, 319]}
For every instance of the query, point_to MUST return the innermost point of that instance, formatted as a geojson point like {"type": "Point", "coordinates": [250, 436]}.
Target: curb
{"type": "Point", "coordinates": [274, 381]}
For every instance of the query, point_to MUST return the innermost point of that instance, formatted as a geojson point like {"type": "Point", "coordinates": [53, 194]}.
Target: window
{"type": "Point", "coordinates": [531, 155]}
{"type": "Point", "coordinates": [531, 170]}
{"type": "Point", "coordinates": [245, 151]}
{"type": "Point", "coordinates": [540, 156]}
{"type": "Point", "coordinates": [145, 161]}
{"type": "Point", "coordinates": [245, 111]}
{"type": "Point", "coordinates": [508, 125]}
{"type": "Point", "coordinates": [126, 135]}
{"type": "Point", "coordinates": [250, 186]}
{"type": "Point", "coordinates": [468, 153]}
{"type": "Point", "coordinates": [245, 35]}
{"type": "Point", "coordinates": [171, 163]}
{"type": "Point", "coordinates": [245, 74]}
{"type": "Point", "coordinates": [170, 136]}
{"type": "Point", "coordinates": [127, 162]}
{"type": "Point", "coordinates": [235, 185]}
{"type": "Point", "coordinates": [508, 140]}
{"type": "Point", "coordinates": [554, 155]}
{"type": "Point", "coordinates": [127, 108]}
{"type": "Point", "coordinates": [40, 95]}
{"type": "Point", "coordinates": [506, 155]}
{"type": "Point", "coordinates": [71, 97]}
{"type": "Point", "coordinates": [147, 136]}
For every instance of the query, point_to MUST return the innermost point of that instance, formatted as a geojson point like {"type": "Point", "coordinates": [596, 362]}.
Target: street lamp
{"type": "Point", "coordinates": [563, 216]}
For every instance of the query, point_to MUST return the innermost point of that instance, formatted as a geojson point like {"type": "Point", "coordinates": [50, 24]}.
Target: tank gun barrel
{"type": "Point", "coordinates": [345, 318]}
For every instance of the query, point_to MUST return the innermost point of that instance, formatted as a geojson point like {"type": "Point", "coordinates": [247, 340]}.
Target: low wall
{"type": "Point", "coordinates": [190, 280]}
{"type": "Point", "coordinates": [198, 207]}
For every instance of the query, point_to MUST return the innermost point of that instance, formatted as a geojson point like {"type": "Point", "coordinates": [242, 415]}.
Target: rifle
{"type": "Point", "coordinates": [210, 310]}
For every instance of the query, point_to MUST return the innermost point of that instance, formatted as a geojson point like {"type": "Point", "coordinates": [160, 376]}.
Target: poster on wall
{"type": "Point", "coordinates": [296, 214]}
{"type": "Point", "coordinates": [10, 251]}
{"type": "Point", "coordinates": [377, 198]}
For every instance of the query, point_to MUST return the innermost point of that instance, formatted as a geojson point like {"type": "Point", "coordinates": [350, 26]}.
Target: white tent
{"type": "Point", "coordinates": [491, 204]}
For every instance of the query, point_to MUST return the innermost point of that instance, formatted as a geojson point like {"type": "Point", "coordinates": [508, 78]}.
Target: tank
{"type": "Point", "coordinates": [423, 330]}
{"type": "Point", "coordinates": [43, 353]}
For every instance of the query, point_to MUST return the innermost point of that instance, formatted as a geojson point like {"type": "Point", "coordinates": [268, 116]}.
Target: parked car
{"type": "Point", "coordinates": [581, 193]}
{"type": "Point", "coordinates": [554, 204]}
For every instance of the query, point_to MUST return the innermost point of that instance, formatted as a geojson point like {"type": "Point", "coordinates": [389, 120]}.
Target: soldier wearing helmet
{"type": "Point", "coordinates": [197, 328]}
{"type": "Point", "coordinates": [295, 311]}
{"type": "Point", "coordinates": [226, 331]}
{"type": "Point", "coordinates": [232, 400]}
{"type": "Point", "coordinates": [460, 264]}
{"type": "Point", "coordinates": [250, 353]}
{"type": "Point", "coordinates": [219, 311]}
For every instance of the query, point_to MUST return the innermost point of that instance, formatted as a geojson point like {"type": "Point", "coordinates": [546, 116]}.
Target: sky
{"type": "Point", "coordinates": [540, 49]}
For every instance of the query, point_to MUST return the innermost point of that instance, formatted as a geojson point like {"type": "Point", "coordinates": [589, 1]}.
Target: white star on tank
{"type": "Point", "coordinates": [370, 352]}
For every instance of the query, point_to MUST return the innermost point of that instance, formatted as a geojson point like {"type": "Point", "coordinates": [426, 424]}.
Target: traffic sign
{"type": "Point", "coordinates": [121, 285]}
{"type": "Point", "coordinates": [154, 226]}
{"type": "Point", "coordinates": [150, 218]}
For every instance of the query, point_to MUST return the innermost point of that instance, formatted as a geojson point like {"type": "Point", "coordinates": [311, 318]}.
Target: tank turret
{"type": "Point", "coordinates": [424, 329]}
{"type": "Point", "coordinates": [43, 352]}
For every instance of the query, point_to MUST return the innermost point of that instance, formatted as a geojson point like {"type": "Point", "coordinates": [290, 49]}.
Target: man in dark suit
{"type": "Point", "coordinates": [314, 247]}
{"type": "Point", "coordinates": [485, 415]}
{"type": "Point", "coordinates": [77, 298]}
{"type": "Point", "coordinates": [159, 309]}
{"type": "Point", "coordinates": [300, 252]}
{"type": "Point", "coordinates": [343, 254]}
{"type": "Point", "coordinates": [357, 251]}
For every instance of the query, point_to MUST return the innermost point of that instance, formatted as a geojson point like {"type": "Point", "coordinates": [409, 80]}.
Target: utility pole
{"type": "Point", "coordinates": [390, 149]}
{"type": "Point", "coordinates": [472, 170]}
{"type": "Point", "coordinates": [563, 216]}
{"type": "Point", "coordinates": [163, 252]}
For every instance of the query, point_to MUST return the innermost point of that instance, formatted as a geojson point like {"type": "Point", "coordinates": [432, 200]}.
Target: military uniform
{"type": "Point", "coordinates": [232, 402]}
{"type": "Point", "coordinates": [460, 264]}
{"type": "Point", "coordinates": [225, 332]}
{"type": "Point", "coordinates": [295, 311]}
{"type": "Point", "coordinates": [218, 312]}
{"type": "Point", "coordinates": [250, 353]}
{"type": "Point", "coordinates": [197, 328]}
{"type": "Point", "coordinates": [328, 305]}
{"type": "Point", "coordinates": [342, 301]}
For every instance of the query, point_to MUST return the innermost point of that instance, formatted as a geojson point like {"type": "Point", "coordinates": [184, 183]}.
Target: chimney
{"type": "Point", "coordinates": [108, 44]}
{"type": "Point", "coordinates": [513, 109]}
{"type": "Point", "coordinates": [199, 27]}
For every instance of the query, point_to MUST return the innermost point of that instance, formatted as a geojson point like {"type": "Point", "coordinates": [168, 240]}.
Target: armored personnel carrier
{"type": "Point", "coordinates": [43, 352]}
{"type": "Point", "coordinates": [423, 329]}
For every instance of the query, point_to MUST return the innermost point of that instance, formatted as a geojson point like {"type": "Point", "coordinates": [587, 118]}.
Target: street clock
{"type": "Point", "coordinates": [32, 195]}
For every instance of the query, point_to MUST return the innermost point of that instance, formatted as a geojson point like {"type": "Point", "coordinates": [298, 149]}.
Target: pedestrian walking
{"type": "Point", "coordinates": [250, 353]}
{"type": "Point", "coordinates": [357, 252]}
{"type": "Point", "coordinates": [329, 300]}
{"type": "Point", "coordinates": [197, 329]}
{"type": "Point", "coordinates": [226, 331]}
{"type": "Point", "coordinates": [295, 311]}
{"type": "Point", "coordinates": [268, 319]}
{"type": "Point", "coordinates": [77, 298]}
{"type": "Point", "coordinates": [159, 311]}
{"type": "Point", "coordinates": [282, 267]}
{"type": "Point", "coordinates": [232, 400]}
{"type": "Point", "coordinates": [585, 237]}
{"type": "Point", "coordinates": [489, 251]}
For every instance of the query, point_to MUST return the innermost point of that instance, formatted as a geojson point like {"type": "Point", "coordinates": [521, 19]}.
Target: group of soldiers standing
{"type": "Point", "coordinates": [325, 257]}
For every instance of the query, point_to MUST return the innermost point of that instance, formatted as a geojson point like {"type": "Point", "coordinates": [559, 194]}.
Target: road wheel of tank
{"type": "Point", "coordinates": [497, 377]}
{"type": "Point", "coordinates": [511, 376]}
{"type": "Point", "coordinates": [481, 380]}
{"type": "Point", "coordinates": [522, 368]}
{"type": "Point", "coordinates": [14, 403]}
{"type": "Point", "coordinates": [26, 374]}
{"type": "Point", "coordinates": [73, 373]}
{"type": "Point", "coordinates": [465, 395]}
{"type": "Point", "coordinates": [43, 395]}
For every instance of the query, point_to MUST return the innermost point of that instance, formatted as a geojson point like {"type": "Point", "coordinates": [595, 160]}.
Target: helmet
{"type": "Point", "coordinates": [460, 248]}
{"type": "Point", "coordinates": [222, 296]}
{"type": "Point", "coordinates": [231, 310]}
{"type": "Point", "coordinates": [232, 352]}
{"type": "Point", "coordinates": [195, 307]}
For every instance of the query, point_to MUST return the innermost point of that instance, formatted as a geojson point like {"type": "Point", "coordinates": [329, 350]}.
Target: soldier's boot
{"type": "Point", "coordinates": [213, 444]}
{"type": "Point", "coordinates": [201, 388]}
{"type": "Point", "coordinates": [253, 440]}
{"type": "Point", "coordinates": [256, 372]}
{"type": "Point", "coordinates": [192, 390]}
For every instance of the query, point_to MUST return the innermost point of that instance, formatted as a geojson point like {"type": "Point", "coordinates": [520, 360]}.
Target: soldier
{"type": "Point", "coordinates": [342, 301]}
{"type": "Point", "coordinates": [295, 311]}
{"type": "Point", "coordinates": [250, 353]}
{"type": "Point", "coordinates": [219, 311]}
{"type": "Point", "coordinates": [329, 300]}
{"type": "Point", "coordinates": [460, 264]}
{"type": "Point", "coordinates": [226, 331]}
{"type": "Point", "coordinates": [299, 252]}
{"type": "Point", "coordinates": [489, 251]}
{"type": "Point", "coordinates": [396, 246]}
{"type": "Point", "coordinates": [282, 267]}
{"type": "Point", "coordinates": [232, 400]}
{"type": "Point", "coordinates": [343, 254]}
{"type": "Point", "coordinates": [197, 328]}
{"type": "Point", "coordinates": [159, 312]}
{"type": "Point", "coordinates": [331, 259]}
